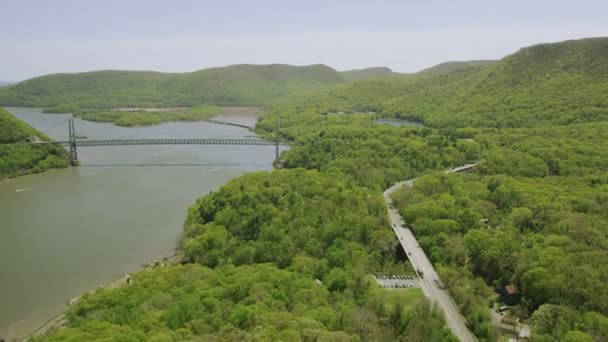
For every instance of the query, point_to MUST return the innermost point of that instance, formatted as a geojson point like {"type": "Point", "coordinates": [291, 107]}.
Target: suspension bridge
{"type": "Point", "coordinates": [74, 142]}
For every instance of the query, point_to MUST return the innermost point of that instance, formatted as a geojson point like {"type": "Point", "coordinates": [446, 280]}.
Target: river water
{"type": "Point", "coordinates": [399, 122]}
{"type": "Point", "coordinates": [66, 231]}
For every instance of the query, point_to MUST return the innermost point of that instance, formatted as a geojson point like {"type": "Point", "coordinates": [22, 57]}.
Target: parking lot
{"type": "Point", "coordinates": [396, 281]}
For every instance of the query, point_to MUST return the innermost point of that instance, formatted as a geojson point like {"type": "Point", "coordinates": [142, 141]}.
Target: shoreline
{"type": "Point", "coordinates": [23, 175]}
{"type": "Point", "coordinates": [36, 324]}
{"type": "Point", "coordinates": [59, 321]}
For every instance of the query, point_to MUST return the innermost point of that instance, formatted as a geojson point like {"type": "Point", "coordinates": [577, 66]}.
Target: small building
{"type": "Point", "coordinates": [510, 294]}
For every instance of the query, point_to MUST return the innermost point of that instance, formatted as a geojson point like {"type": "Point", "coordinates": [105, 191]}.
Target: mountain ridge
{"type": "Point", "coordinates": [447, 67]}
{"type": "Point", "coordinates": [238, 84]}
{"type": "Point", "coordinates": [556, 83]}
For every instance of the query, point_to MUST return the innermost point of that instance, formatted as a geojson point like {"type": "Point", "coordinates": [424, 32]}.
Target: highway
{"type": "Point", "coordinates": [429, 280]}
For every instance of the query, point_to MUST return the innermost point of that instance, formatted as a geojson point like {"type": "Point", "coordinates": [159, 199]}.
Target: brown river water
{"type": "Point", "coordinates": [66, 231]}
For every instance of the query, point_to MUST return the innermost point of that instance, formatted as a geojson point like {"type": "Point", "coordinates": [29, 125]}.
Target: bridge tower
{"type": "Point", "coordinates": [276, 152]}
{"type": "Point", "coordinates": [72, 140]}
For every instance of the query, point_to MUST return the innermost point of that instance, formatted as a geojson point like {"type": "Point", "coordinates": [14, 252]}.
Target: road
{"type": "Point", "coordinates": [429, 280]}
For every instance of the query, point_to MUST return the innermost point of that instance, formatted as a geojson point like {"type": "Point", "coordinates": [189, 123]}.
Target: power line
{"type": "Point", "coordinates": [43, 131]}
{"type": "Point", "coordinates": [55, 126]}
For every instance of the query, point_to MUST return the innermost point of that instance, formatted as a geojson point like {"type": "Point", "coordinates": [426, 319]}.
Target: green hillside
{"type": "Point", "coordinates": [233, 85]}
{"type": "Point", "coordinates": [255, 303]}
{"type": "Point", "coordinates": [447, 67]}
{"type": "Point", "coordinates": [363, 74]}
{"type": "Point", "coordinates": [18, 159]}
{"type": "Point", "coordinates": [399, 96]}
{"type": "Point", "coordinates": [559, 83]}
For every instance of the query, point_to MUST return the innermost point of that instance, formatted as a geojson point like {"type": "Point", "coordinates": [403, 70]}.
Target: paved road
{"type": "Point", "coordinates": [429, 280]}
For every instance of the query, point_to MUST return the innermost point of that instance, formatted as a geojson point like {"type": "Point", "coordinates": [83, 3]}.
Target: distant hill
{"type": "Point", "coordinates": [439, 69]}
{"type": "Point", "coordinates": [447, 67]}
{"type": "Point", "coordinates": [233, 85]}
{"type": "Point", "coordinates": [363, 74]}
{"type": "Point", "coordinates": [17, 159]}
{"type": "Point", "coordinates": [6, 83]}
{"type": "Point", "coordinates": [558, 83]}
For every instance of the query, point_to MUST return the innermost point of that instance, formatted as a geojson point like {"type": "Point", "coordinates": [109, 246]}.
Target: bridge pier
{"type": "Point", "coordinates": [72, 143]}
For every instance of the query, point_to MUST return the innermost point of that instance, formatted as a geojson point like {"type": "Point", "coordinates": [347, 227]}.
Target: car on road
{"type": "Point", "coordinates": [439, 284]}
{"type": "Point", "coordinates": [420, 273]}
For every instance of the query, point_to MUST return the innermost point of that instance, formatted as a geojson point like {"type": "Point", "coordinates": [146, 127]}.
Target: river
{"type": "Point", "coordinates": [66, 231]}
{"type": "Point", "coordinates": [399, 122]}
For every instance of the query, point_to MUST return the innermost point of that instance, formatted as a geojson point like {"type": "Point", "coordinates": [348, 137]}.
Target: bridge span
{"type": "Point", "coordinates": [74, 142]}
{"type": "Point", "coordinates": [162, 141]}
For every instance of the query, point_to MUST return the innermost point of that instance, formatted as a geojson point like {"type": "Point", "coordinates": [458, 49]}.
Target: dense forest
{"type": "Point", "coordinates": [289, 254]}
{"type": "Point", "coordinates": [235, 85]}
{"type": "Point", "coordinates": [17, 158]}
{"type": "Point", "coordinates": [255, 302]}
{"type": "Point", "coordinates": [447, 67]}
{"type": "Point", "coordinates": [546, 84]}
{"type": "Point", "coordinates": [533, 215]}
{"type": "Point", "coordinates": [149, 118]}
{"type": "Point", "coordinates": [286, 255]}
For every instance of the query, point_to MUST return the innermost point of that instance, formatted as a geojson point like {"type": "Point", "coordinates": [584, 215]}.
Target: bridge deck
{"type": "Point", "coordinates": [192, 141]}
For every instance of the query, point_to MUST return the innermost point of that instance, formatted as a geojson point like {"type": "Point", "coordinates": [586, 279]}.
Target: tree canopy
{"type": "Point", "coordinates": [18, 158]}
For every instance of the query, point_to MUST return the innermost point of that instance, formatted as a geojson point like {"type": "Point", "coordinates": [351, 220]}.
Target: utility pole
{"type": "Point", "coordinates": [276, 153]}
{"type": "Point", "coordinates": [72, 143]}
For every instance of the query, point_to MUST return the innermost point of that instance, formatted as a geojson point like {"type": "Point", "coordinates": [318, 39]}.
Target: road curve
{"type": "Point", "coordinates": [429, 280]}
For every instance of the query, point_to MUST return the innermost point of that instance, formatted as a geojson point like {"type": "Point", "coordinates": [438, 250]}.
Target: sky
{"type": "Point", "coordinates": [40, 37]}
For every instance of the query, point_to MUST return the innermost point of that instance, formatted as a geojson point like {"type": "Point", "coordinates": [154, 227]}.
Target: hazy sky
{"type": "Point", "coordinates": [49, 36]}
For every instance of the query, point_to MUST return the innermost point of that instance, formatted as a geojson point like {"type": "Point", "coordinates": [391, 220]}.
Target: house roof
{"type": "Point", "coordinates": [512, 289]}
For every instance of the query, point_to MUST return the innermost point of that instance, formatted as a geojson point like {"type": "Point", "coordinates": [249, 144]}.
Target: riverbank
{"type": "Point", "coordinates": [83, 226]}
{"type": "Point", "coordinates": [59, 321]}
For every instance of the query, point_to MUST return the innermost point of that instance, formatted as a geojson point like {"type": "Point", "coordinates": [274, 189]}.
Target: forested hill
{"type": "Point", "coordinates": [17, 159]}
{"type": "Point", "coordinates": [231, 85]}
{"type": "Point", "coordinates": [242, 85]}
{"type": "Point", "coordinates": [559, 83]}
{"type": "Point", "coordinates": [444, 68]}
